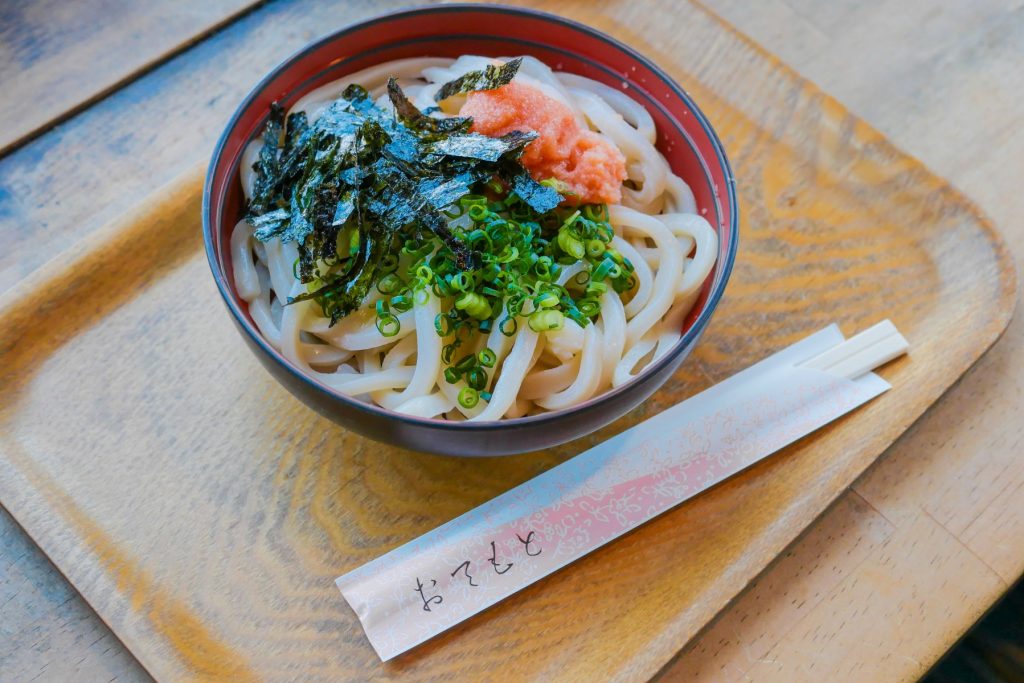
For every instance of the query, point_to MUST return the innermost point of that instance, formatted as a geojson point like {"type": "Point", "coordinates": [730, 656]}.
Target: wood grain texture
{"type": "Point", "coordinates": [950, 93]}
{"type": "Point", "coordinates": [166, 122]}
{"type": "Point", "coordinates": [287, 501]}
{"type": "Point", "coordinates": [47, 633]}
{"type": "Point", "coordinates": [812, 652]}
{"type": "Point", "coordinates": [800, 579]}
{"type": "Point", "coordinates": [58, 56]}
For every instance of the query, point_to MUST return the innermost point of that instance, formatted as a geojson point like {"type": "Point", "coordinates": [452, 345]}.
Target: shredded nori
{"type": "Point", "coordinates": [384, 175]}
{"type": "Point", "coordinates": [427, 126]}
{"type": "Point", "coordinates": [540, 198]}
{"type": "Point", "coordinates": [482, 147]}
{"type": "Point", "coordinates": [267, 166]}
{"type": "Point", "coordinates": [488, 78]}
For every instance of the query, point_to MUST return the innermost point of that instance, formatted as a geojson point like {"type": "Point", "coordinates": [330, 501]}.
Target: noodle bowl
{"type": "Point", "coordinates": [671, 248]}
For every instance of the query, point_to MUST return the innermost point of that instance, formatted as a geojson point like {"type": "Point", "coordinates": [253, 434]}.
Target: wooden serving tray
{"type": "Point", "coordinates": [204, 513]}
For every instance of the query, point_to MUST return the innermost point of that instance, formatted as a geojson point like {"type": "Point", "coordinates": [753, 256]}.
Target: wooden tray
{"type": "Point", "coordinates": [204, 513]}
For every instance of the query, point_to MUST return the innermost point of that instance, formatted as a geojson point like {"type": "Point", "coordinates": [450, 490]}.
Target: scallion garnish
{"type": "Point", "coordinates": [414, 205]}
{"type": "Point", "coordinates": [469, 397]}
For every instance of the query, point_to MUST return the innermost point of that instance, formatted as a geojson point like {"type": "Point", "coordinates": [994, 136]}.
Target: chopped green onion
{"type": "Point", "coordinates": [469, 397]}
{"type": "Point", "coordinates": [595, 212]}
{"type": "Point", "coordinates": [401, 303]}
{"type": "Point", "coordinates": [544, 267]}
{"type": "Point", "coordinates": [446, 354]}
{"type": "Point", "coordinates": [487, 357]}
{"type": "Point", "coordinates": [475, 305]}
{"type": "Point", "coordinates": [624, 284]}
{"type": "Point", "coordinates": [471, 199]}
{"type": "Point", "coordinates": [388, 325]}
{"type": "Point", "coordinates": [476, 378]}
{"type": "Point", "coordinates": [570, 244]}
{"type": "Point", "coordinates": [478, 212]}
{"type": "Point", "coordinates": [520, 254]}
{"type": "Point", "coordinates": [544, 320]}
{"type": "Point", "coordinates": [589, 307]}
{"type": "Point", "coordinates": [576, 316]}
{"type": "Point", "coordinates": [558, 186]}
{"type": "Point", "coordinates": [441, 288]}
{"type": "Point", "coordinates": [491, 271]}
{"type": "Point", "coordinates": [389, 284]}
{"type": "Point", "coordinates": [508, 255]}
{"type": "Point", "coordinates": [515, 305]}
{"type": "Point", "coordinates": [595, 248]}
{"type": "Point", "coordinates": [546, 300]}
{"type": "Point", "coordinates": [602, 271]}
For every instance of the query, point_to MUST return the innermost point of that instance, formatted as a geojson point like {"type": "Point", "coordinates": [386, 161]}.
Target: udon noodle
{"type": "Point", "coordinates": [656, 227]}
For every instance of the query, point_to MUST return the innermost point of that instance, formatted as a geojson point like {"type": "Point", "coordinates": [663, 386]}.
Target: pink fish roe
{"type": "Point", "coordinates": [587, 162]}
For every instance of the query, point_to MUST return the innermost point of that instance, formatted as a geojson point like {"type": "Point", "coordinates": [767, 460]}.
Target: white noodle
{"type": "Point", "coordinates": [657, 228]}
{"type": "Point", "coordinates": [666, 281]}
{"type": "Point", "coordinates": [513, 372]}
{"type": "Point", "coordinates": [247, 280]}
{"type": "Point", "coordinates": [426, 406]}
{"type": "Point", "coordinates": [585, 384]}
{"type": "Point", "coordinates": [613, 331]}
{"type": "Point", "coordinates": [541, 383]}
{"type": "Point", "coordinates": [643, 273]}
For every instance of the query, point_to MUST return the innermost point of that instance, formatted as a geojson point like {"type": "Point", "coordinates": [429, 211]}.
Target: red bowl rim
{"type": "Point", "coordinates": [720, 274]}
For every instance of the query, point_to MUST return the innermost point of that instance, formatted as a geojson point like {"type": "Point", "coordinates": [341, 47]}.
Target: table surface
{"type": "Point", "coordinates": [860, 595]}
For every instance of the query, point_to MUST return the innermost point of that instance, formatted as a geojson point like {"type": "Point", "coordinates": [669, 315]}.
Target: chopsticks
{"type": "Point", "coordinates": [861, 353]}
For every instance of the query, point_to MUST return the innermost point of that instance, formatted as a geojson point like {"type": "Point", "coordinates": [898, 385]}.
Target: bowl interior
{"type": "Point", "coordinates": [684, 135]}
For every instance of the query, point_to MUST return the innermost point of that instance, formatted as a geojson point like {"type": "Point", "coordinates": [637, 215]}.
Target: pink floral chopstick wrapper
{"type": "Point", "coordinates": [449, 574]}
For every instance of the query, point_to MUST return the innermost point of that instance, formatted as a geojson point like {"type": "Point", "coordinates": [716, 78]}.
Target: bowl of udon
{"type": "Point", "coordinates": [470, 229]}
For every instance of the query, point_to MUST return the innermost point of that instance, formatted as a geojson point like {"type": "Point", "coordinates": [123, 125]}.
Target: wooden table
{"type": "Point", "coordinates": [865, 593]}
